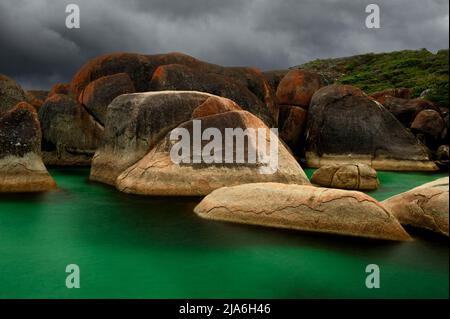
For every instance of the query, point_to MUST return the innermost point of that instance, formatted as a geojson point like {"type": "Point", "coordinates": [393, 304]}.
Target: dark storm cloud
{"type": "Point", "coordinates": [38, 50]}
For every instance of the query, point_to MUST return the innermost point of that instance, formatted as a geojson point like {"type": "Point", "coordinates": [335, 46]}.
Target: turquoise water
{"type": "Point", "coordinates": [139, 247]}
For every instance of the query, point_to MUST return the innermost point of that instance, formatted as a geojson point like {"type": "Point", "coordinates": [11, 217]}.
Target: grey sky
{"type": "Point", "coordinates": [38, 50]}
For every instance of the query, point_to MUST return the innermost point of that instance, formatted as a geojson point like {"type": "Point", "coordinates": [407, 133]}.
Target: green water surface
{"type": "Point", "coordinates": [140, 247]}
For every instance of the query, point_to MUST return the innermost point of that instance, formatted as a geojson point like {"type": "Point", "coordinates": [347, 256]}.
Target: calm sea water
{"type": "Point", "coordinates": [139, 247]}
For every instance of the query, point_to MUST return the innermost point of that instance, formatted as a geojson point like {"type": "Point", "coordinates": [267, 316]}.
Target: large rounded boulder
{"type": "Point", "coordinates": [70, 134]}
{"type": "Point", "coordinates": [344, 127]}
{"type": "Point", "coordinates": [216, 162]}
{"type": "Point", "coordinates": [297, 87]}
{"type": "Point", "coordinates": [292, 123]}
{"type": "Point", "coordinates": [141, 68]}
{"type": "Point", "coordinates": [101, 92]}
{"type": "Point", "coordinates": [302, 207]}
{"type": "Point", "coordinates": [21, 166]}
{"type": "Point", "coordinates": [405, 110]}
{"type": "Point", "coordinates": [429, 122]}
{"type": "Point", "coordinates": [180, 77]}
{"type": "Point", "coordinates": [135, 123]}
{"type": "Point", "coordinates": [136, 66]}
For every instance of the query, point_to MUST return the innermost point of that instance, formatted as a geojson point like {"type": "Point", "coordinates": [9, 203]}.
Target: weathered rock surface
{"type": "Point", "coordinates": [137, 66]}
{"type": "Point", "coordinates": [442, 153]}
{"type": "Point", "coordinates": [135, 123]}
{"type": "Point", "coordinates": [425, 206]}
{"type": "Point", "coordinates": [429, 122]}
{"type": "Point", "coordinates": [101, 92]}
{"type": "Point", "coordinates": [36, 98]}
{"type": "Point", "coordinates": [21, 166]}
{"type": "Point", "coordinates": [255, 81]}
{"type": "Point", "coordinates": [406, 110]}
{"type": "Point", "coordinates": [70, 135]}
{"type": "Point", "coordinates": [180, 77]}
{"type": "Point", "coordinates": [140, 68]}
{"type": "Point", "coordinates": [402, 93]}
{"type": "Point", "coordinates": [292, 124]}
{"type": "Point", "coordinates": [298, 87]}
{"type": "Point", "coordinates": [346, 127]}
{"type": "Point", "coordinates": [10, 94]}
{"type": "Point", "coordinates": [303, 208]}
{"type": "Point", "coordinates": [60, 88]}
{"type": "Point", "coordinates": [274, 77]}
{"type": "Point", "coordinates": [350, 176]}
{"type": "Point", "coordinates": [157, 174]}
{"type": "Point", "coordinates": [215, 105]}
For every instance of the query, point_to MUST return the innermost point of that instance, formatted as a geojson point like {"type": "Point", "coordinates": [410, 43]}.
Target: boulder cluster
{"type": "Point", "coordinates": [118, 112]}
{"type": "Point", "coordinates": [428, 122]}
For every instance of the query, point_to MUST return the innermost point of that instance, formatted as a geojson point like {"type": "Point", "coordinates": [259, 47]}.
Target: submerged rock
{"type": "Point", "coordinates": [302, 207]}
{"type": "Point", "coordinates": [21, 166]}
{"type": "Point", "coordinates": [70, 135]}
{"type": "Point", "coordinates": [349, 176]}
{"type": "Point", "coordinates": [426, 206]}
{"type": "Point", "coordinates": [346, 127]}
{"type": "Point", "coordinates": [10, 94]}
{"type": "Point", "coordinates": [158, 174]}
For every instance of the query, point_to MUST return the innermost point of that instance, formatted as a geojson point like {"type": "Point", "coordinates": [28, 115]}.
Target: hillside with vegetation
{"type": "Point", "coordinates": [419, 70]}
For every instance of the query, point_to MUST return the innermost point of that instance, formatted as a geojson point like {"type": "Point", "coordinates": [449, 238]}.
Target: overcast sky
{"type": "Point", "coordinates": [37, 49]}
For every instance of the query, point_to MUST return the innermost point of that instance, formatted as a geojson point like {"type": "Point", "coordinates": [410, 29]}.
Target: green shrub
{"type": "Point", "coordinates": [419, 70]}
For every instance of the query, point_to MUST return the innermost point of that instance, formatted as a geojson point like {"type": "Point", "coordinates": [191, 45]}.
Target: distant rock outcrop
{"type": "Point", "coordinates": [36, 98]}
{"type": "Point", "coordinates": [405, 110]}
{"type": "Point", "coordinates": [60, 88]}
{"type": "Point", "coordinates": [10, 94]}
